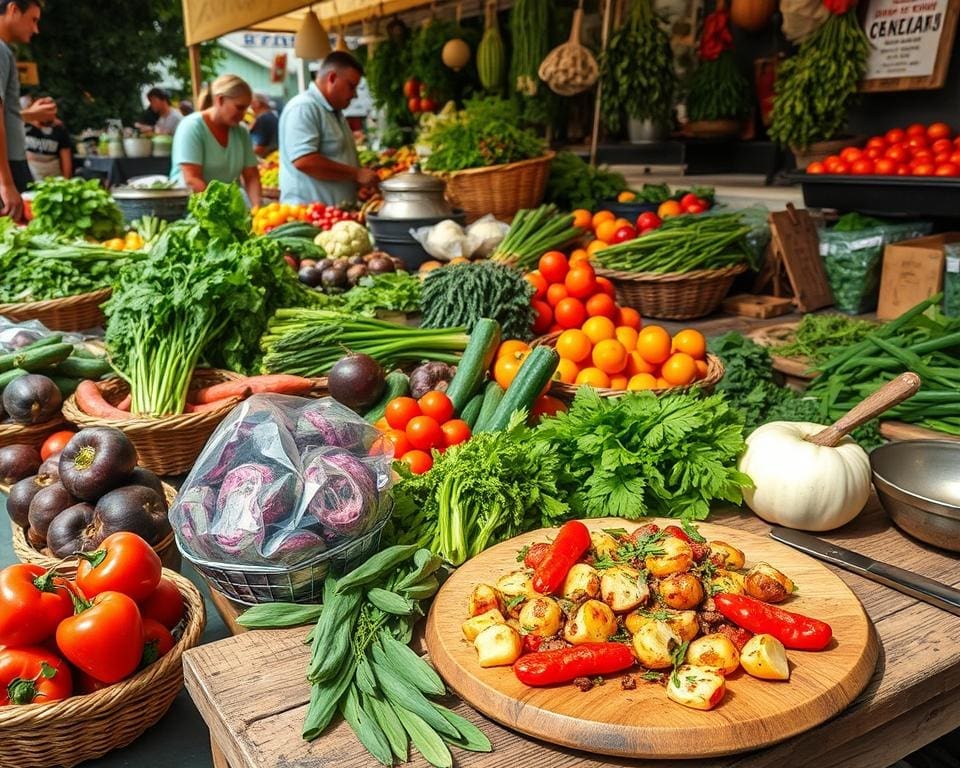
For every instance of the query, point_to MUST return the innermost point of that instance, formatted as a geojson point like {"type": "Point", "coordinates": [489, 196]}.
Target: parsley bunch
{"type": "Point", "coordinates": [642, 455]}
{"type": "Point", "coordinates": [74, 208]}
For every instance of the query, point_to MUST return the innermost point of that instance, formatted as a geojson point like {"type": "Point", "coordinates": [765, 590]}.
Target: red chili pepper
{"type": "Point", "coordinates": [571, 542]}
{"type": "Point", "coordinates": [532, 643]}
{"type": "Point", "coordinates": [566, 664]}
{"type": "Point", "coordinates": [535, 554]}
{"type": "Point", "coordinates": [794, 630]}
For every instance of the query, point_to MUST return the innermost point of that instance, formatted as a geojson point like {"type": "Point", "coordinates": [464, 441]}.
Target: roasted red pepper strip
{"type": "Point", "coordinates": [535, 554]}
{"type": "Point", "coordinates": [566, 664]}
{"type": "Point", "coordinates": [571, 542]}
{"type": "Point", "coordinates": [794, 630]}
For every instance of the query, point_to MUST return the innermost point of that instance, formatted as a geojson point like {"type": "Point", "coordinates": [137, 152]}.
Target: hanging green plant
{"type": "Point", "coordinates": [427, 65]}
{"type": "Point", "coordinates": [717, 89]}
{"type": "Point", "coordinates": [386, 70]}
{"type": "Point", "coordinates": [530, 25]}
{"type": "Point", "coordinates": [637, 70]}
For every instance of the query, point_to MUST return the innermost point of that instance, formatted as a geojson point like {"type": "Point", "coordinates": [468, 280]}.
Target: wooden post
{"type": "Point", "coordinates": [195, 76]}
{"type": "Point", "coordinates": [604, 31]}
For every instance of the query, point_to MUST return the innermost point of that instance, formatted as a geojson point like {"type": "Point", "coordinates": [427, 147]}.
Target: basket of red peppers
{"type": "Point", "coordinates": [88, 663]}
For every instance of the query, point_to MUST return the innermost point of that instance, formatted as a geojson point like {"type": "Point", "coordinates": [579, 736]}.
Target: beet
{"type": "Point", "coordinates": [357, 381]}
{"type": "Point", "coordinates": [22, 493]}
{"type": "Point", "coordinates": [46, 505]}
{"type": "Point", "coordinates": [17, 462]}
{"type": "Point", "coordinates": [32, 399]}
{"type": "Point", "coordinates": [146, 478]}
{"type": "Point", "coordinates": [133, 508]}
{"type": "Point", "coordinates": [51, 467]}
{"type": "Point", "coordinates": [96, 460]}
{"type": "Point", "coordinates": [66, 533]}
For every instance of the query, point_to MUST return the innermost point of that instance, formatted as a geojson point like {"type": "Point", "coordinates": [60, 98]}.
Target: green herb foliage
{"type": "Point", "coordinates": [392, 292]}
{"type": "Point", "coordinates": [642, 455]}
{"type": "Point", "coordinates": [819, 337]}
{"type": "Point", "coordinates": [574, 183]}
{"type": "Point", "coordinates": [718, 90]}
{"type": "Point", "coordinates": [461, 294]}
{"type": "Point", "coordinates": [74, 208]}
{"type": "Point", "coordinates": [530, 31]}
{"type": "Point", "coordinates": [386, 71]}
{"type": "Point", "coordinates": [427, 65]}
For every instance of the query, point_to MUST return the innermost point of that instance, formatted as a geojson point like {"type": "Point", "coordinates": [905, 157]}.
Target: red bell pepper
{"type": "Point", "coordinates": [566, 664]}
{"type": "Point", "coordinates": [794, 630]}
{"type": "Point", "coordinates": [124, 563]}
{"type": "Point", "coordinates": [157, 641]}
{"type": "Point", "coordinates": [33, 602]}
{"type": "Point", "coordinates": [33, 675]}
{"type": "Point", "coordinates": [104, 637]}
{"type": "Point", "coordinates": [572, 541]}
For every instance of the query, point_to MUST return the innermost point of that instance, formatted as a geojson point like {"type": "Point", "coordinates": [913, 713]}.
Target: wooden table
{"type": "Point", "coordinates": [252, 693]}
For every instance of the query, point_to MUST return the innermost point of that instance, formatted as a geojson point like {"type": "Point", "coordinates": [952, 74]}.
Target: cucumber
{"type": "Point", "coordinates": [492, 396]}
{"type": "Point", "coordinates": [8, 376]}
{"type": "Point", "coordinates": [36, 359]}
{"type": "Point", "coordinates": [84, 368]}
{"type": "Point", "coordinates": [53, 338]}
{"type": "Point", "coordinates": [475, 362]}
{"type": "Point", "coordinates": [294, 229]}
{"type": "Point", "coordinates": [65, 384]}
{"type": "Point", "coordinates": [472, 410]}
{"type": "Point", "coordinates": [534, 374]}
{"type": "Point", "coordinates": [397, 385]}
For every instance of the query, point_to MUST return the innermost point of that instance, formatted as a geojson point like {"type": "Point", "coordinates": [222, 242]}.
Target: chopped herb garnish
{"type": "Point", "coordinates": [655, 677]}
{"type": "Point", "coordinates": [522, 553]}
{"type": "Point", "coordinates": [677, 658]}
{"type": "Point", "coordinates": [513, 602]}
{"type": "Point", "coordinates": [617, 533]}
{"type": "Point", "coordinates": [692, 531]}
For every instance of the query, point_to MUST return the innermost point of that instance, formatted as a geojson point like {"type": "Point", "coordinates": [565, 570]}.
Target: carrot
{"type": "Point", "coordinates": [91, 401]}
{"type": "Point", "coordinates": [215, 405]}
{"type": "Point", "coordinates": [278, 383]}
{"type": "Point", "coordinates": [124, 405]}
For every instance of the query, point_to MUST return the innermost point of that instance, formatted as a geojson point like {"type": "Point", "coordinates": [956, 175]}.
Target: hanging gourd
{"type": "Point", "coordinates": [752, 15]}
{"type": "Point", "coordinates": [455, 54]}
{"type": "Point", "coordinates": [570, 68]}
{"type": "Point", "coordinates": [341, 44]}
{"type": "Point", "coordinates": [491, 58]}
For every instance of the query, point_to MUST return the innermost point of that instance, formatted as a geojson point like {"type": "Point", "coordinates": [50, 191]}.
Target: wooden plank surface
{"type": "Point", "coordinates": [252, 693]}
{"type": "Point", "coordinates": [898, 430]}
{"type": "Point", "coordinates": [643, 722]}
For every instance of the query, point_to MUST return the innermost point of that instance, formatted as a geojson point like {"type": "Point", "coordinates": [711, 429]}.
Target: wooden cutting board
{"type": "Point", "coordinates": [643, 722]}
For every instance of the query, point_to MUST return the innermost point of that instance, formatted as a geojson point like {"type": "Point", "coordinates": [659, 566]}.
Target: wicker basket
{"type": "Point", "coordinates": [29, 434]}
{"type": "Point", "coordinates": [674, 295]}
{"type": "Point", "coordinates": [168, 445]}
{"type": "Point", "coordinates": [567, 391]}
{"type": "Point", "coordinates": [68, 732]}
{"type": "Point", "coordinates": [73, 313]}
{"type": "Point", "coordinates": [26, 553]}
{"type": "Point", "coordinates": [498, 189]}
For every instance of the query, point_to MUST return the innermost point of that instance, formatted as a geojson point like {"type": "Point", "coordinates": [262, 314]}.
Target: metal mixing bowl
{"type": "Point", "coordinates": [918, 483]}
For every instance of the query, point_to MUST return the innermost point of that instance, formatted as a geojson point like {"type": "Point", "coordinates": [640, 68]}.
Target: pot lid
{"type": "Point", "coordinates": [413, 180]}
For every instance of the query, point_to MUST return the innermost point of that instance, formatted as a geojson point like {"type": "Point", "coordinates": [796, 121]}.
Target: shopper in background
{"type": "Point", "coordinates": [186, 107]}
{"type": "Point", "coordinates": [49, 146]}
{"type": "Point", "coordinates": [167, 117]}
{"type": "Point", "coordinates": [19, 22]}
{"type": "Point", "coordinates": [211, 144]}
{"type": "Point", "coordinates": [318, 156]}
{"type": "Point", "coordinates": [265, 126]}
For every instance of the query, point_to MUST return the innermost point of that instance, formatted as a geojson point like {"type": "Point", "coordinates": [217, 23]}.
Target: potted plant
{"type": "Point", "coordinates": [638, 76]}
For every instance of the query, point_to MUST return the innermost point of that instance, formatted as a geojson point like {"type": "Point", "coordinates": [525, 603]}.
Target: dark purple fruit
{"type": "Point", "coordinates": [96, 460]}
{"type": "Point", "coordinates": [51, 467]}
{"type": "Point", "coordinates": [147, 479]}
{"type": "Point", "coordinates": [32, 399]}
{"type": "Point", "coordinates": [310, 276]}
{"type": "Point", "coordinates": [132, 508]}
{"type": "Point", "coordinates": [66, 533]}
{"type": "Point", "coordinates": [46, 505]}
{"type": "Point", "coordinates": [22, 493]}
{"type": "Point", "coordinates": [357, 381]}
{"type": "Point", "coordinates": [17, 462]}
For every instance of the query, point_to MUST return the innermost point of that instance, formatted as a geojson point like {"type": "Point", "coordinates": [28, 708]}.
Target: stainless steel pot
{"type": "Point", "coordinates": [413, 195]}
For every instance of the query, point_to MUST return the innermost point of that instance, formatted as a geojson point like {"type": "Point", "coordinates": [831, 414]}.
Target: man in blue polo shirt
{"type": "Point", "coordinates": [318, 156]}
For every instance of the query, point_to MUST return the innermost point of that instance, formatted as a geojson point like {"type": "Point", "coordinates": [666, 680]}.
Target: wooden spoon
{"type": "Point", "coordinates": [889, 395]}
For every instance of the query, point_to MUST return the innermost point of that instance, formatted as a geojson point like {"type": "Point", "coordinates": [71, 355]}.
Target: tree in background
{"type": "Point", "coordinates": [95, 58]}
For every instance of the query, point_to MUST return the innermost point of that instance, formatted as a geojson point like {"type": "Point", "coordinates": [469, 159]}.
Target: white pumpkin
{"type": "Point", "coordinates": [798, 484]}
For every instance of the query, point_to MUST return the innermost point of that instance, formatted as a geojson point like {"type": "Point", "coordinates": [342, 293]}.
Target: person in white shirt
{"type": "Point", "coordinates": [168, 118]}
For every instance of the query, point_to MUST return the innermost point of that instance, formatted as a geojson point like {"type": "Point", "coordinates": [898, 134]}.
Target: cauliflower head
{"type": "Point", "coordinates": [345, 239]}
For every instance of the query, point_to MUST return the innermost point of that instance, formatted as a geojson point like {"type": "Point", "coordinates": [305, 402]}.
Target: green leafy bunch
{"type": "Point", "coordinates": [427, 64]}
{"type": "Point", "coordinates": [642, 455]}
{"type": "Point", "coordinates": [386, 71]}
{"type": "Point", "coordinates": [637, 70]}
{"type": "Point", "coordinates": [574, 183]}
{"type": "Point", "coordinates": [718, 90]}
{"type": "Point", "coordinates": [74, 208]}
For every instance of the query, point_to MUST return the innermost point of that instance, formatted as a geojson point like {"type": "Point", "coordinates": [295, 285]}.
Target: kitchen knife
{"type": "Point", "coordinates": [913, 584]}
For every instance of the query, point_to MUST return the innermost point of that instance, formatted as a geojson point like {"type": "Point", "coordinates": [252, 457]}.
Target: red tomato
{"type": "Point", "coordinates": [601, 304]}
{"type": "Point", "coordinates": [625, 233]}
{"type": "Point", "coordinates": [33, 675]}
{"type": "Point", "coordinates": [413, 105]}
{"type": "Point", "coordinates": [904, 170]}
{"type": "Point", "coordinates": [816, 168]}
{"type": "Point", "coordinates": [581, 281]}
{"type": "Point", "coordinates": [648, 220]}
{"type": "Point", "coordinates": [917, 142]}
{"type": "Point", "coordinates": [689, 199]}
{"type": "Point", "coordinates": [695, 209]}
{"type": "Point", "coordinates": [554, 266]}
{"type": "Point", "coordinates": [436, 405]}
{"type": "Point", "coordinates": [916, 129]}
{"type": "Point", "coordinates": [428, 105]}
{"type": "Point", "coordinates": [32, 604]}
{"type": "Point", "coordinates": [942, 157]}
{"type": "Point", "coordinates": [947, 169]}
{"type": "Point", "coordinates": [411, 88]}
{"type": "Point", "coordinates": [556, 293]}
{"type": "Point", "coordinates": [955, 156]}
{"type": "Point", "coordinates": [124, 563]}
{"type": "Point", "coordinates": [539, 283]}
{"type": "Point", "coordinates": [885, 166]}
{"type": "Point", "coordinates": [424, 433]}
{"type": "Point", "coordinates": [877, 141]}
{"type": "Point", "coordinates": [105, 639]}
{"type": "Point", "coordinates": [164, 605]}
{"type": "Point", "coordinates": [862, 167]}
{"type": "Point", "coordinates": [400, 410]}
{"type": "Point", "coordinates": [873, 152]}
{"type": "Point", "coordinates": [942, 145]}
{"type": "Point", "coordinates": [895, 135]}
{"type": "Point", "coordinates": [570, 313]}
{"type": "Point", "coordinates": [923, 155]}
{"type": "Point", "coordinates": [157, 641]}
{"type": "Point", "coordinates": [418, 461]}
{"type": "Point", "coordinates": [924, 169]}
{"type": "Point", "coordinates": [841, 168]}
{"type": "Point", "coordinates": [55, 443]}
{"type": "Point", "coordinates": [850, 154]}
{"type": "Point", "coordinates": [938, 131]}
{"type": "Point", "coordinates": [455, 431]}
{"type": "Point", "coordinates": [607, 287]}
{"type": "Point", "coordinates": [830, 162]}
{"type": "Point", "coordinates": [544, 316]}
{"type": "Point", "coordinates": [546, 405]}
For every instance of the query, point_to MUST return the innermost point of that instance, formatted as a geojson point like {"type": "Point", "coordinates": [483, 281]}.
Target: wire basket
{"type": "Point", "coordinates": [29, 434]}
{"type": "Point", "coordinates": [65, 733]}
{"type": "Point", "coordinates": [303, 583]}
{"type": "Point", "coordinates": [71, 313]}
{"type": "Point", "coordinates": [674, 295]}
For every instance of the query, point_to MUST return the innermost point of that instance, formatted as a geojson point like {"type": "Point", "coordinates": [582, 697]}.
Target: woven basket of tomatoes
{"type": "Point", "coordinates": [87, 665]}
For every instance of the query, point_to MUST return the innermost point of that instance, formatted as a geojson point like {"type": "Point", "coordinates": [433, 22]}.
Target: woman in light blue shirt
{"type": "Point", "coordinates": [211, 144]}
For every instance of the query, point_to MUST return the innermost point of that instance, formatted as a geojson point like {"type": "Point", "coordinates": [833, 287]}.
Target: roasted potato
{"type": "Point", "coordinates": [582, 583]}
{"type": "Point", "coordinates": [474, 626]}
{"type": "Point", "coordinates": [765, 657]}
{"type": "Point", "coordinates": [725, 581]}
{"type": "Point", "coordinates": [696, 687]}
{"type": "Point", "coordinates": [681, 591]}
{"type": "Point", "coordinates": [593, 622]}
{"type": "Point", "coordinates": [483, 598]}
{"type": "Point", "coordinates": [513, 585]}
{"type": "Point", "coordinates": [623, 588]}
{"type": "Point", "coordinates": [684, 623]}
{"type": "Point", "coordinates": [724, 555]}
{"type": "Point", "coordinates": [540, 616]}
{"type": "Point", "coordinates": [497, 646]}
{"type": "Point", "coordinates": [603, 544]}
{"type": "Point", "coordinates": [766, 583]}
{"type": "Point", "coordinates": [677, 557]}
{"type": "Point", "coordinates": [716, 651]}
{"type": "Point", "coordinates": [655, 643]}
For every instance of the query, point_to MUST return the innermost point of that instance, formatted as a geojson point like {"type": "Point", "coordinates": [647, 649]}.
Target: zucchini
{"type": "Point", "coordinates": [84, 368]}
{"type": "Point", "coordinates": [294, 229]}
{"type": "Point", "coordinates": [492, 396]}
{"type": "Point", "coordinates": [475, 362]}
{"type": "Point", "coordinates": [472, 410]}
{"type": "Point", "coordinates": [8, 376]}
{"type": "Point", "coordinates": [36, 359]}
{"type": "Point", "coordinates": [534, 374]}
{"type": "Point", "coordinates": [53, 338]}
{"type": "Point", "coordinates": [66, 384]}
{"type": "Point", "coordinates": [397, 385]}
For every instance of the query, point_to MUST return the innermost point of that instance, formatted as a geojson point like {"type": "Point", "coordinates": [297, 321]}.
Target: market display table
{"type": "Point", "coordinates": [118, 170]}
{"type": "Point", "coordinates": [252, 693]}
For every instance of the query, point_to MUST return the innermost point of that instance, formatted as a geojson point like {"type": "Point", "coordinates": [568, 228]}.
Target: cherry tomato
{"type": "Point", "coordinates": [850, 154]}
{"type": "Point", "coordinates": [418, 461]}
{"type": "Point", "coordinates": [862, 167]}
{"type": "Point", "coordinates": [947, 169]}
{"type": "Point", "coordinates": [400, 410]}
{"type": "Point", "coordinates": [816, 168]}
{"type": "Point", "coordinates": [157, 642]}
{"type": "Point", "coordinates": [437, 406]}
{"type": "Point", "coordinates": [917, 129]}
{"type": "Point", "coordinates": [924, 169]}
{"type": "Point", "coordinates": [55, 443]}
{"type": "Point", "coordinates": [554, 266]}
{"type": "Point", "coordinates": [696, 208]}
{"type": "Point", "coordinates": [424, 433]}
{"type": "Point", "coordinates": [917, 142]}
{"type": "Point", "coordinates": [942, 145]}
{"type": "Point", "coordinates": [165, 604]}
{"type": "Point", "coordinates": [877, 142]}
{"type": "Point", "coordinates": [124, 563]}
{"type": "Point", "coordinates": [873, 152]}
{"type": "Point", "coordinates": [841, 168]}
{"type": "Point", "coordinates": [689, 199]}
{"type": "Point", "coordinates": [544, 316]}
{"type": "Point", "coordinates": [937, 131]}
{"type": "Point", "coordinates": [413, 105]}
{"type": "Point", "coordinates": [624, 233]}
{"type": "Point", "coordinates": [581, 282]}
{"type": "Point", "coordinates": [904, 170]}
{"type": "Point", "coordinates": [455, 432]}
{"type": "Point", "coordinates": [539, 283]}
{"type": "Point", "coordinates": [648, 220]}
{"type": "Point", "coordinates": [885, 166]}
{"type": "Point", "coordinates": [895, 135]}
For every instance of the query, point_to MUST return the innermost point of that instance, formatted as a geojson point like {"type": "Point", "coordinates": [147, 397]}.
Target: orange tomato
{"type": "Point", "coordinates": [618, 382]}
{"type": "Point", "coordinates": [570, 313]}
{"type": "Point", "coordinates": [604, 285]}
{"type": "Point", "coordinates": [512, 347]}
{"type": "Point", "coordinates": [601, 304]}
{"type": "Point", "coordinates": [606, 231]}
{"type": "Point", "coordinates": [539, 283]}
{"type": "Point", "coordinates": [505, 369]}
{"type": "Point", "coordinates": [653, 344]}
{"type": "Point", "coordinates": [544, 316]}
{"type": "Point", "coordinates": [574, 345]}
{"type": "Point", "coordinates": [397, 438]}
{"type": "Point", "coordinates": [601, 216]}
{"type": "Point", "coordinates": [641, 381]}
{"type": "Point", "coordinates": [669, 208]}
{"type": "Point", "coordinates": [581, 281]}
{"type": "Point", "coordinates": [418, 461]}
{"type": "Point", "coordinates": [692, 342]}
{"type": "Point", "coordinates": [679, 370]}
{"type": "Point", "coordinates": [701, 368]}
{"type": "Point", "coordinates": [610, 356]}
{"type": "Point", "coordinates": [553, 266]}
{"type": "Point", "coordinates": [599, 328]}
{"type": "Point", "coordinates": [636, 364]}
{"type": "Point", "coordinates": [583, 218]}
{"type": "Point", "coordinates": [628, 315]}
{"type": "Point", "coordinates": [622, 222]}
{"type": "Point", "coordinates": [556, 293]}
{"type": "Point", "coordinates": [382, 424]}
{"type": "Point", "coordinates": [578, 255]}
{"type": "Point", "coordinates": [595, 245]}
{"type": "Point", "coordinates": [592, 377]}
{"type": "Point", "coordinates": [626, 196]}
{"type": "Point", "coordinates": [662, 383]}
{"type": "Point", "coordinates": [567, 371]}
{"type": "Point", "coordinates": [455, 431]}
{"type": "Point", "coordinates": [627, 336]}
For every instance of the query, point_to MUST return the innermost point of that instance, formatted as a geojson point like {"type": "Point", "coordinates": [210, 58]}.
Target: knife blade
{"type": "Point", "coordinates": [913, 584]}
